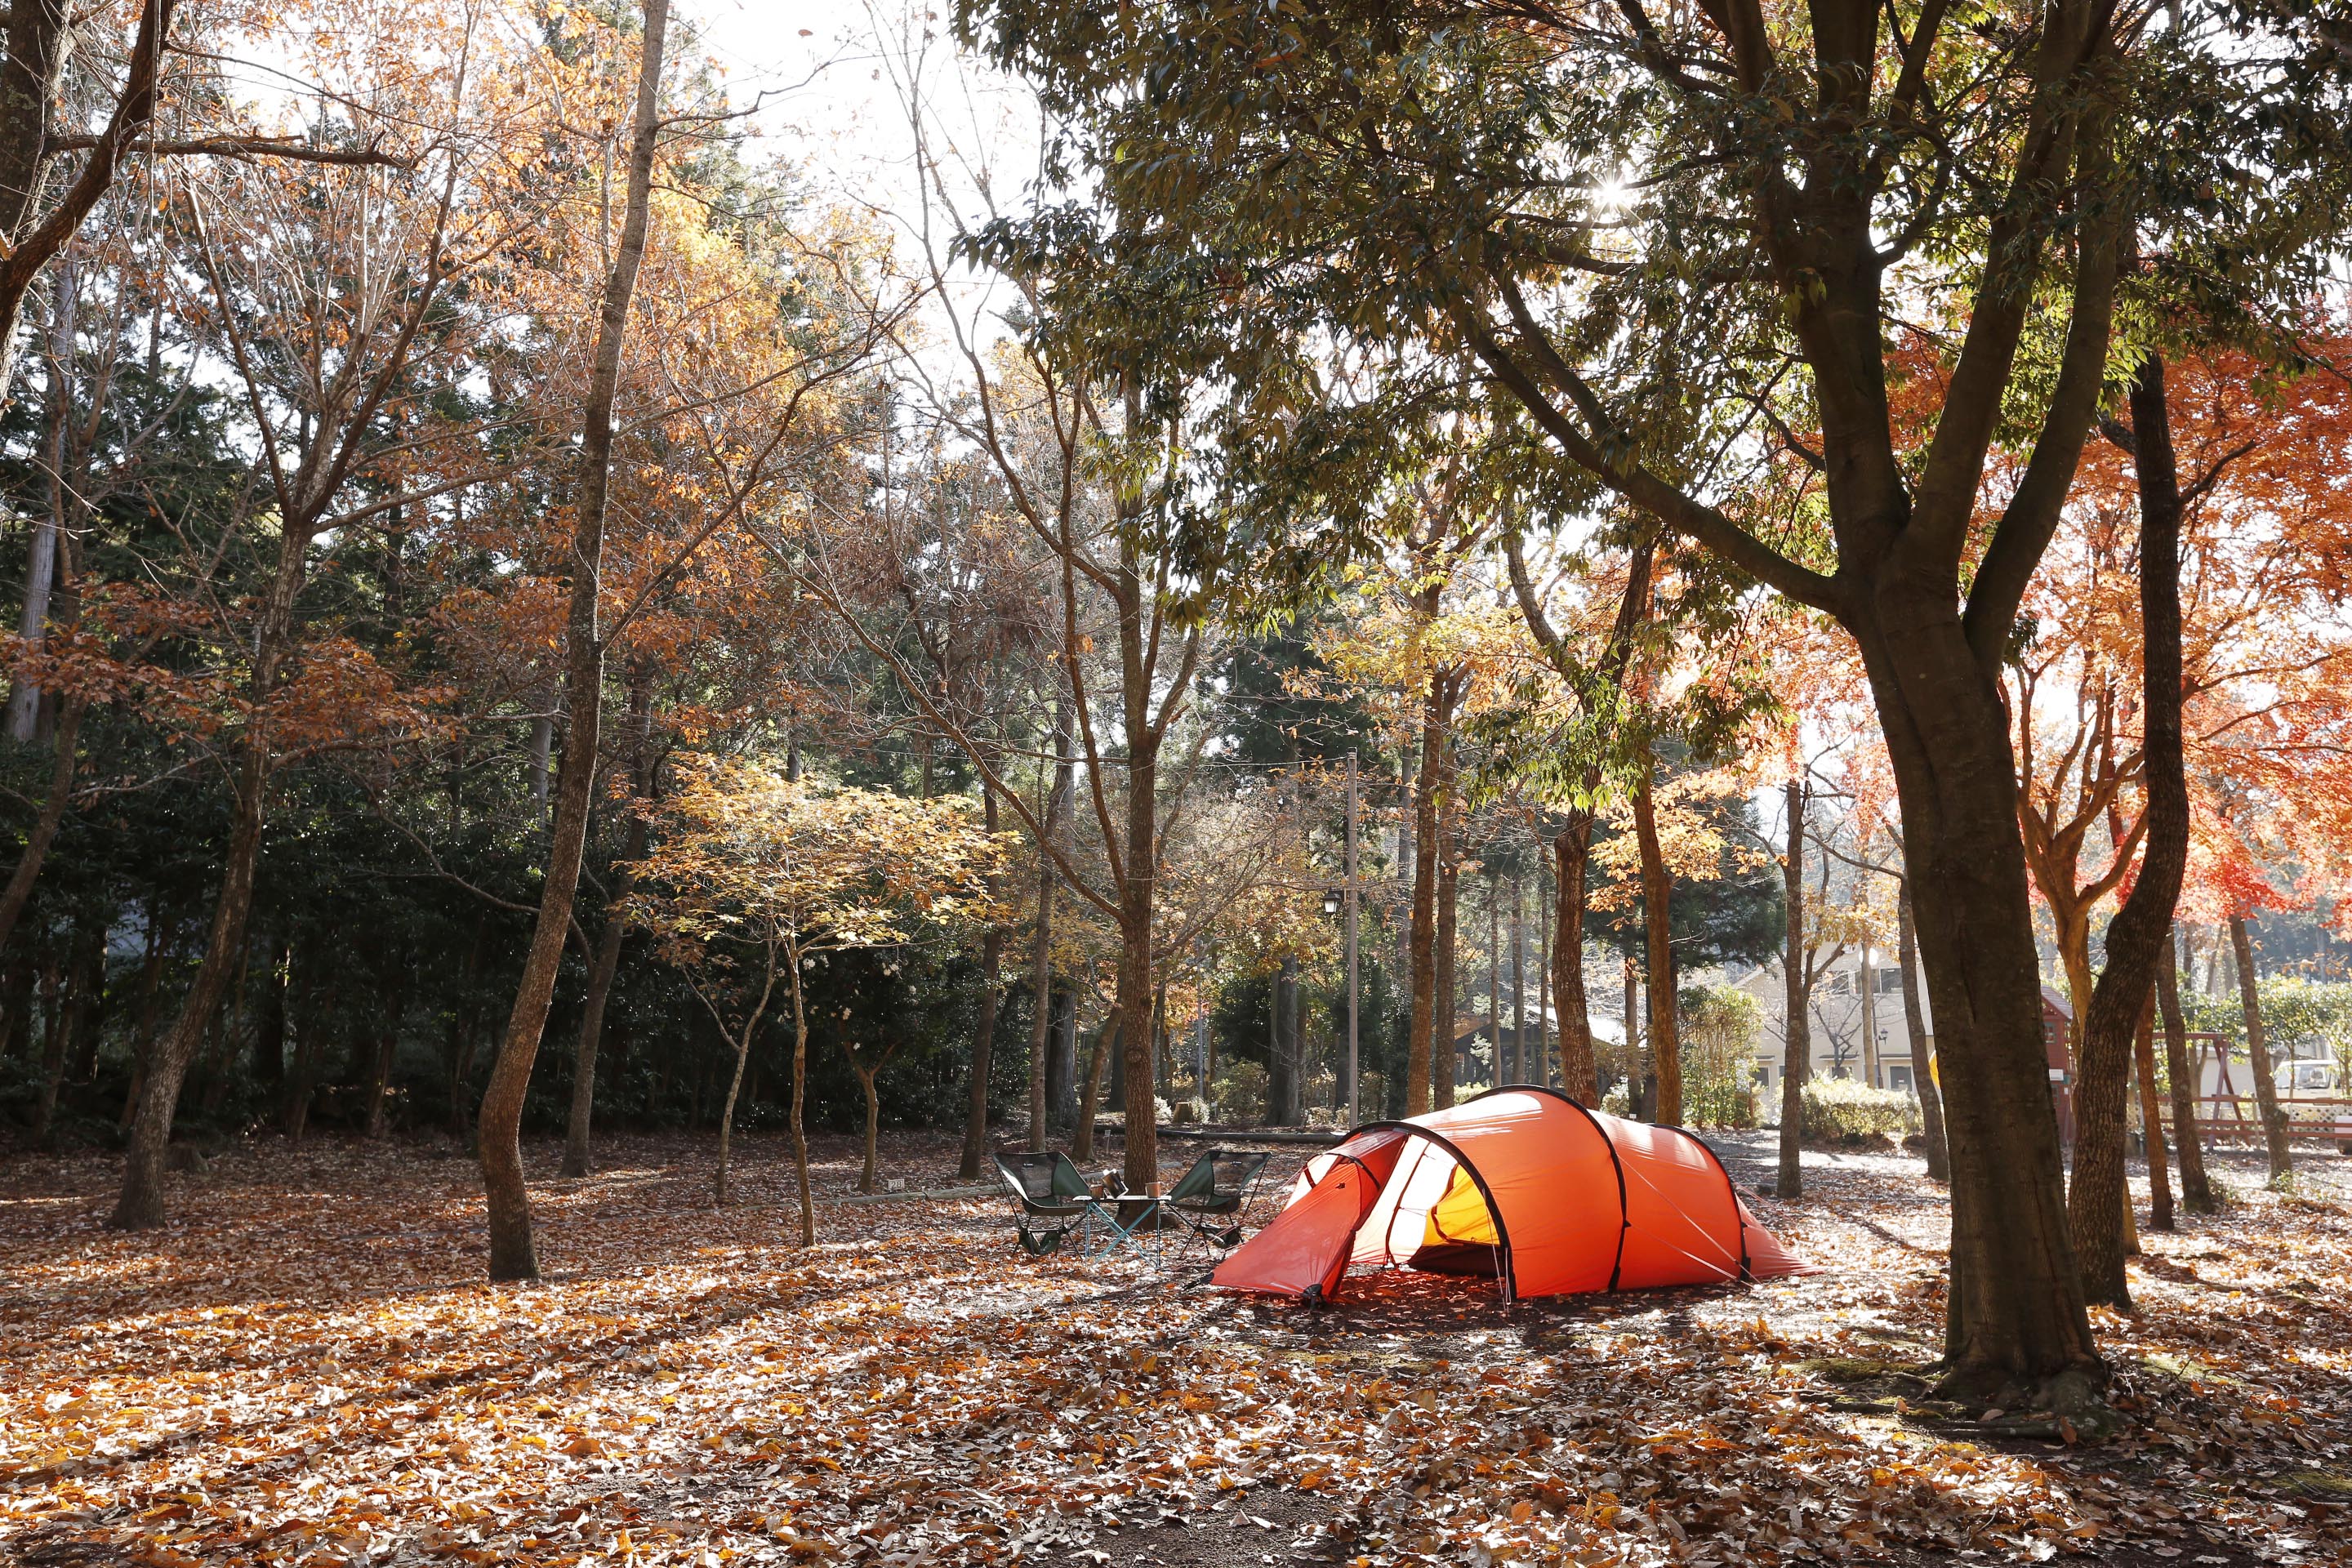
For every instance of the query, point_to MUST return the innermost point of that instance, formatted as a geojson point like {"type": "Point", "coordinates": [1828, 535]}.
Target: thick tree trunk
{"type": "Point", "coordinates": [1796, 1032]}
{"type": "Point", "coordinates": [2196, 1189]}
{"type": "Point", "coordinates": [1571, 851]}
{"type": "Point", "coordinates": [1657, 896]}
{"type": "Point", "coordinates": [512, 1254]}
{"type": "Point", "coordinates": [1421, 1043]}
{"type": "Point", "coordinates": [1923, 1045]}
{"type": "Point", "coordinates": [2098, 1205]}
{"type": "Point", "coordinates": [2258, 1054]}
{"type": "Point", "coordinates": [2016, 1331]}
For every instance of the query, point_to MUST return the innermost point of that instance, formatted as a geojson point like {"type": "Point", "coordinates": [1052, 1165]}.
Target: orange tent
{"type": "Point", "coordinates": [1522, 1184]}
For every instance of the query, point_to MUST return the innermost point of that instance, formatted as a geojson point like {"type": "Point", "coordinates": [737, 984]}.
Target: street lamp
{"type": "Point", "coordinates": [1331, 901]}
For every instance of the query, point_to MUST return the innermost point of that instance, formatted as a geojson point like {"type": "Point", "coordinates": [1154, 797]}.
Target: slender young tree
{"type": "Point", "coordinates": [513, 1255]}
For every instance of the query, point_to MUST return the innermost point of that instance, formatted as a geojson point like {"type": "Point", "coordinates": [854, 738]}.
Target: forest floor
{"type": "Point", "coordinates": [306, 1366]}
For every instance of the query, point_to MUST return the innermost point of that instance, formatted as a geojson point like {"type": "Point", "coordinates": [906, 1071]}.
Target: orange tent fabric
{"type": "Point", "coordinates": [1523, 1184]}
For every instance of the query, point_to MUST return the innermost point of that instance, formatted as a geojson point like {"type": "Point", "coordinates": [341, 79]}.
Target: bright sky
{"type": "Point", "coordinates": [836, 73]}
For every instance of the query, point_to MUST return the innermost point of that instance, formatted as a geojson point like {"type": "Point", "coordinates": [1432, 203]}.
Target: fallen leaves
{"type": "Point", "coordinates": [307, 1369]}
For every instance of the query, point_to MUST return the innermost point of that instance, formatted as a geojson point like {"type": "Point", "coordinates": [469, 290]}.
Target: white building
{"type": "Point", "coordinates": [1856, 1021]}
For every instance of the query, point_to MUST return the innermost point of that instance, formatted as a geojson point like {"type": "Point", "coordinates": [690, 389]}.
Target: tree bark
{"type": "Point", "coordinates": [56, 1041]}
{"type": "Point", "coordinates": [2151, 1116]}
{"type": "Point", "coordinates": [2196, 1189]}
{"type": "Point", "coordinates": [1657, 895]}
{"type": "Point", "coordinates": [1288, 1100]}
{"type": "Point", "coordinates": [1108, 1040]}
{"type": "Point", "coordinates": [140, 1205]}
{"type": "Point", "coordinates": [1519, 986]}
{"type": "Point", "coordinates": [1443, 1058]}
{"type": "Point", "coordinates": [800, 1101]}
{"type": "Point", "coordinates": [1571, 852]}
{"type": "Point", "coordinates": [578, 1154]}
{"type": "Point", "coordinates": [2282, 1162]}
{"type": "Point", "coordinates": [1422, 1047]}
{"type": "Point", "coordinates": [2016, 1327]}
{"type": "Point", "coordinates": [1041, 993]}
{"type": "Point", "coordinates": [1923, 1045]}
{"type": "Point", "coordinates": [29, 860]}
{"type": "Point", "coordinates": [1796, 1032]}
{"type": "Point", "coordinates": [983, 1039]}
{"type": "Point", "coordinates": [2098, 1201]}
{"type": "Point", "coordinates": [512, 1253]}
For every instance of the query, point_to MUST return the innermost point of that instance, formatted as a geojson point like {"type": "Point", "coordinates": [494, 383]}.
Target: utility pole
{"type": "Point", "coordinates": [1352, 896]}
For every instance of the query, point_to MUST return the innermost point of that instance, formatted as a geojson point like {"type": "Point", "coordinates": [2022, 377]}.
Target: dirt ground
{"type": "Point", "coordinates": [307, 1367]}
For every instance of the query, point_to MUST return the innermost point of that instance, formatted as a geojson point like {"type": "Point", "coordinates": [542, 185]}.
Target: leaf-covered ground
{"type": "Point", "coordinates": [306, 1367]}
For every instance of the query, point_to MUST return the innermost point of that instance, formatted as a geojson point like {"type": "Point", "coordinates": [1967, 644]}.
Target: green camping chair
{"type": "Point", "coordinates": [1054, 1200]}
{"type": "Point", "coordinates": [1211, 1198]}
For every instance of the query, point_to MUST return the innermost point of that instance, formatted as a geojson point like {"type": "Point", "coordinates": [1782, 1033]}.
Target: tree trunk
{"type": "Point", "coordinates": [2098, 1204]}
{"type": "Point", "coordinates": [983, 1039]}
{"type": "Point", "coordinates": [727, 1113]}
{"type": "Point", "coordinates": [140, 1205]}
{"type": "Point", "coordinates": [2151, 1118]}
{"type": "Point", "coordinates": [2258, 1054]}
{"type": "Point", "coordinates": [1658, 894]}
{"type": "Point", "coordinates": [1571, 851]}
{"type": "Point", "coordinates": [578, 1155]}
{"type": "Point", "coordinates": [1422, 1047]}
{"type": "Point", "coordinates": [1519, 985]}
{"type": "Point", "coordinates": [1923, 1045]}
{"type": "Point", "coordinates": [2196, 1189]}
{"type": "Point", "coordinates": [1288, 1098]}
{"type": "Point", "coordinates": [2016, 1329]}
{"type": "Point", "coordinates": [1107, 1039]}
{"type": "Point", "coordinates": [1041, 1004]}
{"type": "Point", "coordinates": [1494, 978]}
{"type": "Point", "coordinates": [1444, 1058]}
{"type": "Point", "coordinates": [29, 860]}
{"type": "Point", "coordinates": [1796, 1032]}
{"type": "Point", "coordinates": [55, 1040]}
{"type": "Point", "coordinates": [512, 1254]}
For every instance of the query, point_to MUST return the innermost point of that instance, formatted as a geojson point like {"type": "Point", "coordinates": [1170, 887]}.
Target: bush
{"type": "Point", "coordinates": [1618, 1098]}
{"type": "Point", "coordinates": [1844, 1111]}
{"type": "Point", "coordinates": [1719, 1026]}
{"type": "Point", "coordinates": [1372, 1095]}
{"type": "Point", "coordinates": [1240, 1093]}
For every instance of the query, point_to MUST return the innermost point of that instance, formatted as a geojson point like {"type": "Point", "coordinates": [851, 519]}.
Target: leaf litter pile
{"type": "Point", "coordinates": [307, 1368]}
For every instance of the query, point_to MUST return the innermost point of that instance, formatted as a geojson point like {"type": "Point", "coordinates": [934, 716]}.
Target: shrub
{"type": "Point", "coordinates": [1719, 1026]}
{"type": "Point", "coordinates": [1372, 1095]}
{"type": "Point", "coordinates": [1618, 1099]}
{"type": "Point", "coordinates": [1844, 1111]}
{"type": "Point", "coordinates": [1240, 1093]}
